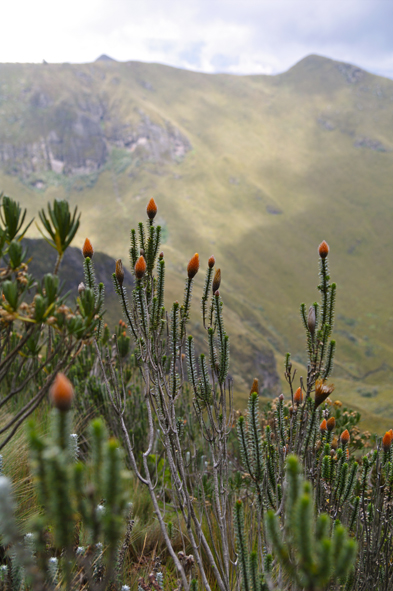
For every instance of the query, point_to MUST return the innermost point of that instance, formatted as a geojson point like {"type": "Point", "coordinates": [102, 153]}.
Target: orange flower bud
{"type": "Point", "coordinates": [323, 250]}
{"type": "Point", "coordinates": [140, 267]}
{"type": "Point", "coordinates": [62, 392]}
{"type": "Point", "coordinates": [217, 280]}
{"type": "Point", "coordinates": [386, 441]}
{"type": "Point", "coordinates": [298, 396]}
{"type": "Point", "coordinates": [151, 209]}
{"type": "Point", "coordinates": [391, 433]}
{"type": "Point", "coordinates": [211, 262]}
{"type": "Point", "coordinates": [87, 249]}
{"type": "Point", "coordinates": [255, 386]}
{"type": "Point", "coordinates": [119, 272]}
{"type": "Point", "coordinates": [193, 266]}
{"type": "Point", "coordinates": [331, 423]}
{"type": "Point", "coordinates": [344, 438]}
{"type": "Point", "coordinates": [323, 425]}
{"type": "Point", "coordinates": [322, 391]}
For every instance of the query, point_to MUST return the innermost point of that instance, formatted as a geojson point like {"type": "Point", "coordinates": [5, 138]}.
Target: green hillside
{"type": "Point", "coordinates": [255, 169]}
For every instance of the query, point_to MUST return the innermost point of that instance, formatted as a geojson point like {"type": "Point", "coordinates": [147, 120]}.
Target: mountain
{"type": "Point", "coordinates": [255, 169]}
{"type": "Point", "coordinates": [105, 58]}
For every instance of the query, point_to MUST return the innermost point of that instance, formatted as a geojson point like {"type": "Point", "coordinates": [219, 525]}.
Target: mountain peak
{"type": "Point", "coordinates": [315, 73]}
{"type": "Point", "coordinates": [105, 58]}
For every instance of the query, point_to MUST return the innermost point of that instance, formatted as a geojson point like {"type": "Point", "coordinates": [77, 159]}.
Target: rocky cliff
{"type": "Point", "coordinates": [45, 128]}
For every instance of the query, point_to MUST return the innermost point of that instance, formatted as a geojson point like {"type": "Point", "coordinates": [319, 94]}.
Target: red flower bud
{"type": "Point", "coordinates": [87, 249]}
{"type": "Point", "coordinates": [323, 250]}
{"type": "Point", "coordinates": [211, 262]}
{"type": "Point", "coordinates": [386, 441]}
{"type": "Point", "coordinates": [331, 423]}
{"type": "Point", "coordinates": [193, 266]}
{"type": "Point", "coordinates": [298, 397]}
{"type": "Point", "coordinates": [323, 425]}
{"type": "Point", "coordinates": [62, 392]}
{"type": "Point", "coordinates": [345, 437]}
{"type": "Point", "coordinates": [140, 267]}
{"type": "Point", "coordinates": [217, 280]}
{"type": "Point", "coordinates": [151, 209]}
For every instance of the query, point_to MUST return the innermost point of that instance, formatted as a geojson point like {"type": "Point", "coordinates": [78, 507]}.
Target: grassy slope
{"type": "Point", "coordinates": [257, 147]}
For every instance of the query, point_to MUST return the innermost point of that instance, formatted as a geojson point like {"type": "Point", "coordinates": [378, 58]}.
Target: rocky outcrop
{"type": "Point", "coordinates": [371, 144]}
{"type": "Point", "coordinates": [76, 139]}
{"type": "Point", "coordinates": [252, 359]}
{"type": "Point", "coordinates": [352, 74]}
{"type": "Point", "coordinates": [75, 144]}
{"type": "Point", "coordinates": [153, 141]}
{"type": "Point", "coordinates": [342, 123]}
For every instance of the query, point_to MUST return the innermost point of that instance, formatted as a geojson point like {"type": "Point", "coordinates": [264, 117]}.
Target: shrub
{"type": "Point", "coordinates": [40, 334]}
{"type": "Point", "coordinates": [76, 538]}
{"type": "Point", "coordinates": [278, 508]}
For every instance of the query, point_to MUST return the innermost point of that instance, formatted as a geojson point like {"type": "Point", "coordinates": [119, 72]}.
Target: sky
{"type": "Point", "coordinates": [234, 36]}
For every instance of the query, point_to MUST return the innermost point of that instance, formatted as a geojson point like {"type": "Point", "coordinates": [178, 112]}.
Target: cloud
{"type": "Point", "coordinates": [251, 36]}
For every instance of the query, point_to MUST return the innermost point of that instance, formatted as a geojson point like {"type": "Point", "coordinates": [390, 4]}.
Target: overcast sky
{"type": "Point", "coordinates": [237, 36]}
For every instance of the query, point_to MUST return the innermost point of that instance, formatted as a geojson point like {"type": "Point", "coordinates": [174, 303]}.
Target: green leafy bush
{"type": "Point", "coordinates": [40, 334]}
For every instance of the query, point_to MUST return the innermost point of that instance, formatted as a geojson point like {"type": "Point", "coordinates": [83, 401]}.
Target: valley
{"type": "Point", "coordinates": [257, 170]}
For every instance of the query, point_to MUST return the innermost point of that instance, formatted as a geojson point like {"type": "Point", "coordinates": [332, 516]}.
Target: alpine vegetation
{"type": "Point", "coordinates": [141, 473]}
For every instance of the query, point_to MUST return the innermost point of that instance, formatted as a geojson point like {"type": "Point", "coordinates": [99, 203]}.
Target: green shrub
{"type": "Point", "coordinates": [77, 534]}
{"type": "Point", "coordinates": [40, 334]}
{"type": "Point", "coordinates": [290, 504]}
